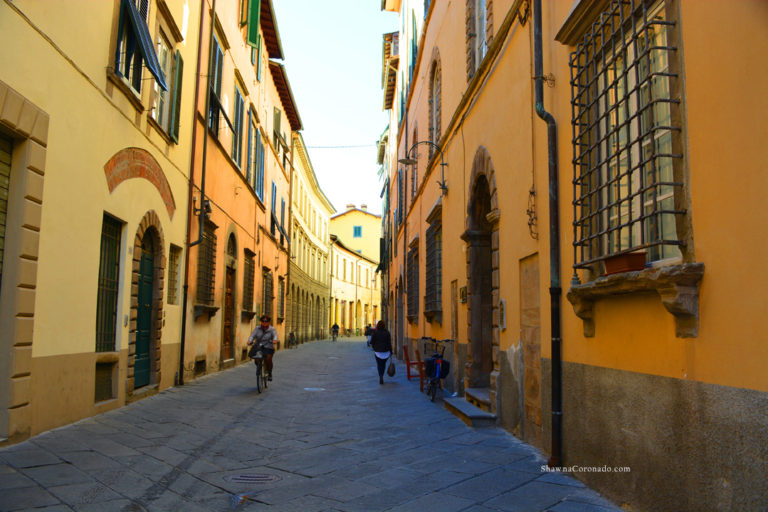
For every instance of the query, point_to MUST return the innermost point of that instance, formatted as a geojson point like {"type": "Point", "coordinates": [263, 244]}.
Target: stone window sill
{"type": "Point", "coordinates": [677, 286]}
{"type": "Point", "coordinates": [246, 316]}
{"type": "Point", "coordinates": [202, 309]}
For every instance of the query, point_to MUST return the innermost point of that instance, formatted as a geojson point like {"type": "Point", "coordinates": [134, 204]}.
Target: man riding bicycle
{"type": "Point", "coordinates": [265, 336]}
{"type": "Point", "coordinates": [335, 330]}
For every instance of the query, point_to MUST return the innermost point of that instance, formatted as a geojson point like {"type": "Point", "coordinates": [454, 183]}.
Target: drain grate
{"type": "Point", "coordinates": [314, 389]}
{"type": "Point", "coordinates": [255, 479]}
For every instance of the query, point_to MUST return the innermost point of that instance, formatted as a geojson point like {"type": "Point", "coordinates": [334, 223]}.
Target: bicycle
{"type": "Point", "coordinates": [334, 334]}
{"type": "Point", "coordinates": [435, 367]}
{"type": "Point", "coordinates": [261, 370]}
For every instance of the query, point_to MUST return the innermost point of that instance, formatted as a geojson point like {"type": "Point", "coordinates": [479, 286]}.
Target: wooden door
{"type": "Point", "coordinates": [142, 364]}
{"type": "Point", "coordinates": [227, 341]}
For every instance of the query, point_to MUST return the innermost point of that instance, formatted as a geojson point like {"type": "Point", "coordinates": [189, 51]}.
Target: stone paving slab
{"type": "Point", "coordinates": [324, 437]}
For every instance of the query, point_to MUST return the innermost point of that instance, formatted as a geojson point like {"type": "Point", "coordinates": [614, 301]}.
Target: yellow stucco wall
{"type": "Point", "coordinates": [342, 225]}
{"type": "Point", "coordinates": [64, 72]}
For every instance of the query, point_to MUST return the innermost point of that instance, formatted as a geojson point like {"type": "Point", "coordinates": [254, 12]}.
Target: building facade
{"type": "Point", "coordinates": [308, 299]}
{"type": "Point", "coordinates": [578, 137]}
{"type": "Point", "coordinates": [355, 282]}
{"type": "Point", "coordinates": [245, 119]}
{"type": "Point", "coordinates": [95, 144]}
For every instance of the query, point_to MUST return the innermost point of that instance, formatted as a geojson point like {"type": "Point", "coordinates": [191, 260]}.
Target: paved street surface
{"type": "Point", "coordinates": [325, 436]}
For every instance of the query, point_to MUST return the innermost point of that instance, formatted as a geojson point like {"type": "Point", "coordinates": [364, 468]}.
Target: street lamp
{"type": "Point", "coordinates": [413, 161]}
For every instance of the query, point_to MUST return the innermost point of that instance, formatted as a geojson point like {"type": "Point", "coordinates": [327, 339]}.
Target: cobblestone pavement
{"type": "Point", "coordinates": [325, 436]}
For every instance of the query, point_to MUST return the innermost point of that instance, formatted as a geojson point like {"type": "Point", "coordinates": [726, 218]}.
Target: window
{"type": "Point", "coordinates": [109, 281]}
{"type": "Point", "coordinates": [6, 148]}
{"type": "Point", "coordinates": [434, 107]}
{"type": "Point", "coordinates": [415, 168]}
{"type": "Point", "coordinates": [357, 231]}
{"type": "Point", "coordinates": [258, 58]}
{"type": "Point", "coordinates": [282, 220]}
{"type": "Point", "coordinates": [160, 108]}
{"type": "Point", "coordinates": [280, 298]}
{"type": "Point", "coordinates": [206, 265]}
{"type": "Point", "coordinates": [276, 120]}
{"type": "Point", "coordinates": [266, 292]}
{"type": "Point", "coordinates": [134, 45]}
{"type": "Point", "coordinates": [413, 282]}
{"type": "Point", "coordinates": [250, 164]}
{"type": "Point", "coordinates": [237, 129]}
{"type": "Point", "coordinates": [433, 294]}
{"type": "Point", "coordinates": [216, 64]}
{"type": "Point", "coordinates": [249, 270]}
{"type": "Point", "coordinates": [174, 270]}
{"type": "Point", "coordinates": [481, 39]}
{"type": "Point", "coordinates": [626, 138]}
{"type": "Point", "coordinates": [273, 223]}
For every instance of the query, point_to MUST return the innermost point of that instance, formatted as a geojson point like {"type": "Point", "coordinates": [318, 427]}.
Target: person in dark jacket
{"type": "Point", "coordinates": [381, 341]}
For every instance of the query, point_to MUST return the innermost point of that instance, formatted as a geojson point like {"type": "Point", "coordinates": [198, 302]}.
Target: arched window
{"type": "Point", "coordinates": [415, 167]}
{"type": "Point", "coordinates": [434, 105]}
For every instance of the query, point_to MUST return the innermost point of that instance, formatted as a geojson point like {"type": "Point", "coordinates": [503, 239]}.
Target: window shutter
{"type": "Point", "coordinates": [254, 14]}
{"type": "Point", "coordinates": [258, 59]}
{"type": "Point", "coordinates": [178, 64]}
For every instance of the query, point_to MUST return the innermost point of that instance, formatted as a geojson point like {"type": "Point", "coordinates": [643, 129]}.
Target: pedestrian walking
{"type": "Point", "coordinates": [381, 341]}
{"type": "Point", "coordinates": [368, 333]}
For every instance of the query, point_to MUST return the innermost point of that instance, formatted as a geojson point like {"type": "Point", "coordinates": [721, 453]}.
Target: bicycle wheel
{"type": "Point", "coordinates": [432, 390]}
{"type": "Point", "coordinates": [259, 375]}
{"type": "Point", "coordinates": [264, 377]}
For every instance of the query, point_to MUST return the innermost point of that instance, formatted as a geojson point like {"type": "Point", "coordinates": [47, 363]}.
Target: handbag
{"type": "Point", "coordinates": [391, 369]}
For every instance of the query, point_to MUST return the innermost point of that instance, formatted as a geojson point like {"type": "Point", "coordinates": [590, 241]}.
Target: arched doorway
{"type": "Point", "coordinates": [479, 294]}
{"type": "Point", "coordinates": [228, 320]}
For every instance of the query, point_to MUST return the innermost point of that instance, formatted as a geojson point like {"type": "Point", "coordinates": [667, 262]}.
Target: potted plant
{"type": "Point", "coordinates": [625, 262]}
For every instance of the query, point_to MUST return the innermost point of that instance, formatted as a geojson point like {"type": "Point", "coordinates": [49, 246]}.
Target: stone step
{"type": "Point", "coordinates": [479, 397]}
{"type": "Point", "coordinates": [468, 413]}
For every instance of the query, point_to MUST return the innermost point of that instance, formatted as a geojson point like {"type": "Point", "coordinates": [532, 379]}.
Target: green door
{"type": "Point", "coordinates": [144, 314]}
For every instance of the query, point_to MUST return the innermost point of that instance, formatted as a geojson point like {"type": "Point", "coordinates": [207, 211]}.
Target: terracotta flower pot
{"type": "Point", "coordinates": [627, 262]}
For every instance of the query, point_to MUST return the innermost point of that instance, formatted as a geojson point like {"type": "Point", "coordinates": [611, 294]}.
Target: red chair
{"type": "Point", "coordinates": [419, 365]}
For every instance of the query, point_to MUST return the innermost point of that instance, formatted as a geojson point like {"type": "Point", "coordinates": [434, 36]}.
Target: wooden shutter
{"type": "Point", "coordinates": [178, 65]}
{"type": "Point", "coordinates": [254, 15]}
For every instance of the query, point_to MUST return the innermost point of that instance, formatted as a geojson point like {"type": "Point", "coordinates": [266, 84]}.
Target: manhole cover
{"type": "Point", "coordinates": [252, 479]}
{"type": "Point", "coordinates": [332, 357]}
{"type": "Point", "coordinates": [314, 389]}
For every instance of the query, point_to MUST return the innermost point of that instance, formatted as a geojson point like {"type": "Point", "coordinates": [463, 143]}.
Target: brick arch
{"type": "Point", "coordinates": [149, 225]}
{"type": "Point", "coordinates": [131, 163]}
{"type": "Point", "coordinates": [477, 236]}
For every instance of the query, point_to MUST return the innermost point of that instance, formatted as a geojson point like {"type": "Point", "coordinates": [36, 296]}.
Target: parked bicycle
{"type": "Point", "coordinates": [436, 367]}
{"type": "Point", "coordinates": [261, 370]}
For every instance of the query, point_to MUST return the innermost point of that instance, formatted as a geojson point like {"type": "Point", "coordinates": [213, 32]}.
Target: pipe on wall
{"type": "Point", "coordinates": [555, 290]}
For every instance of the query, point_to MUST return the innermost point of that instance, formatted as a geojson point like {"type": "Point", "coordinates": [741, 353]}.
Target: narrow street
{"type": "Point", "coordinates": [325, 436]}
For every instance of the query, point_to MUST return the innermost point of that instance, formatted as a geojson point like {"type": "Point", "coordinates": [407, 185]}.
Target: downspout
{"type": "Point", "coordinates": [190, 197]}
{"type": "Point", "coordinates": [555, 291]}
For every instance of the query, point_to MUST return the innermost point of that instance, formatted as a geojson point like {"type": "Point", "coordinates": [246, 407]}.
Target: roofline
{"type": "Point", "coordinates": [286, 95]}
{"type": "Point", "coordinates": [302, 146]}
{"type": "Point", "coordinates": [335, 240]}
{"type": "Point", "coordinates": [269, 20]}
{"type": "Point", "coordinates": [355, 209]}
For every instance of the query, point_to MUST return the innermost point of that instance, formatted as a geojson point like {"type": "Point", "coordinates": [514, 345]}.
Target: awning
{"type": "Point", "coordinates": [146, 47]}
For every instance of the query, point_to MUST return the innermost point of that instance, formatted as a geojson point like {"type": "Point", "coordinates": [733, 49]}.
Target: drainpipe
{"type": "Point", "coordinates": [555, 291]}
{"type": "Point", "coordinates": [190, 196]}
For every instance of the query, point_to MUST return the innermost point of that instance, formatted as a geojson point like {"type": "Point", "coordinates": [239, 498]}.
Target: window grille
{"type": "Point", "coordinates": [280, 298]}
{"type": "Point", "coordinates": [624, 136]}
{"type": "Point", "coordinates": [174, 262]}
{"type": "Point", "coordinates": [433, 302]}
{"type": "Point", "coordinates": [413, 282]}
{"type": "Point", "coordinates": [249, 270]}
{"type": "Point", "coordinates": [267, 292]}
{"type": "Point", "coordinates": [206, 266]}
{"type": "Point", "coordinates": [109, 281]}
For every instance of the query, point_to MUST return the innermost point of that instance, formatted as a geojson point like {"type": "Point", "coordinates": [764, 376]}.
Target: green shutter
{"type": "Point", "coordinates": [258, 60]}
{"type": "Point", "coordinates": [254, 13]}
{"type": "Point", "coordinates": [178, 64]}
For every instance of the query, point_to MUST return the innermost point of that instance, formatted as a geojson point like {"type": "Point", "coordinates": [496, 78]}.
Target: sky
{"type": "Point", "coordinates": [332, 55]}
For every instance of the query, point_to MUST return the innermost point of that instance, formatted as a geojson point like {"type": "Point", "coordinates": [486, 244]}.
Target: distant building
{"type": "Point", "coordinates": [309, 278]}
{"type": "Point", "coordinates": [355, 284]}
